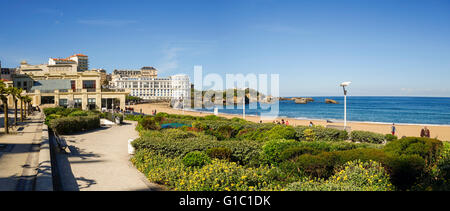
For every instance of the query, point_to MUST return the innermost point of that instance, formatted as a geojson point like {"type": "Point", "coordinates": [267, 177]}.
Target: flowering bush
{"type": "Point", "coordinates": [226, 176]}
{"type": "Point", "coordinates": [159, 168]}
{"type": "Point", "coordinates": [219, 175]}
{"type": "Point", "coordinates": [353, 176]}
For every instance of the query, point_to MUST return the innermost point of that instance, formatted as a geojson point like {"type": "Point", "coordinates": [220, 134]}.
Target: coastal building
{"type": "Point", "coordinates": [62, 82]}
{"type": "Point", "coordinates": [6, 73]}
{"type": "Point", "coordinates": [80, 60]}
{"type": "Point", "coordinates": [145, 84]}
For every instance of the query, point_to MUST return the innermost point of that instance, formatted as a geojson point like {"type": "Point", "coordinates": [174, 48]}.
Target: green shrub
{"type": "Point", "coordinates": [353, 176]}
{"type": "Point", "coordinates": [149, 123]}
{"type": "Point", "coordinates": [51, 117]}
{"type": "Point", "coordinates": [367, 137]}
{"type": "Point", "coordinates": [390, 137]}
{"type": "Point", "coordinates": [131, 117]}
{"type": "Point", "coordinates": [427, 148]}
{"type": "Point", "coordinates": [280, 132]}
{"type": "Point", "coordinates": [67, 125]}
{"type": "Point", "coordinates": [196, 159]}
{"type": "Point", "coordinates": [271, 150]}
{"type": "Point", "coordinates": [320, 133]}
{"type": "Point", "coordinates": [242, 151]}
{"type": "Point", "coordinates": [219, 153]}
{"type": "Point", "coordinates": [223, 132]}
{"type": "Point", "coordinates": [321, 165]}
{"type": "Point", "coordinates": [78, 113]}
{"type": "Point", "coordinates": [405, 170]}
{"type": "Point", "coordinates": [318, 166]}
{"type": "Point", "coordinates": [295, 151]}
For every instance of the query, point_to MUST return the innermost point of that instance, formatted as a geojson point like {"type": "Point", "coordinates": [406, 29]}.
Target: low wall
{"type": "Point", "coordinates": [44, 179]}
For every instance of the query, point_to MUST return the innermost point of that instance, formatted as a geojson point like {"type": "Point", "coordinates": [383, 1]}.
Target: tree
{"type": "Point", "coordinates": [16, 93]}
{"type": "Point", "coordinates": [4, 92]}
{"type": "Point", "coordinates": [22, 100]}
{"type": "Point", "coordinates": [28, 104]}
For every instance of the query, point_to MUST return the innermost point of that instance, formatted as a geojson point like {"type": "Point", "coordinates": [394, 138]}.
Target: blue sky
{"type": "Point", "coordinates": [385, 47]}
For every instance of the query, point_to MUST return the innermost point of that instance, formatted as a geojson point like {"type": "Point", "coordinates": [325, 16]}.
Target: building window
{"type": "Point", "coordinates": [63, 103]}
{"type": "Point", "coordinates": [77, 102]}
{"type": "Point", "coordinates": [73, 85]}
{"type": "Point", "coordinates": [89, 84]}
{"type": "Point", "coordinates": [91, 103]}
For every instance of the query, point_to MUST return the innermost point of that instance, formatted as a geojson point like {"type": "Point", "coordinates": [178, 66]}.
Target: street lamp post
{"type": "Point", "coordinates": [182, 102]}
{"type": "Point", "coordinates": [345, 84]}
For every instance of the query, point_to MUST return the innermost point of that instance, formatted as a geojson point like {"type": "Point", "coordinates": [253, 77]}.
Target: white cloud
{"type": "Point", "coordinates": [170, 60]}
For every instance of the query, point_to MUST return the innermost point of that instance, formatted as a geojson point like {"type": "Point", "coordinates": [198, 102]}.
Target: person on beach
{"type": "Point", "coordinates": [393, 129]}
{"type": "Point", "coordinates": [282, 121]}
{"type": "Point", "coordinates": [425, 132]}
{"type": "Point", "coordinates": [287, 122]}
{"type": "Point", "coordinates": [311, 124]}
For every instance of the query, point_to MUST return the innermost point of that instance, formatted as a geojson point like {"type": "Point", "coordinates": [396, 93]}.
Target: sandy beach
{"type": "Point", "coordinates": [437, 131]}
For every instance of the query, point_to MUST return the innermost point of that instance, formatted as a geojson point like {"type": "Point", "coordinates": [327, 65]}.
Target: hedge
{"type": "Point", "coordinates": [321, 133]}
{"type": "Point", "coordinates": [68, 125]}
{"type": "Point", "coordinates": [244, 152]}
{"type": "Point", "coordinates": [367, 137]}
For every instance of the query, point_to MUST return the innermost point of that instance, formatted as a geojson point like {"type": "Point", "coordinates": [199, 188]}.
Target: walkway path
{"type": "Point", "coordinates": [19, 154]}
{"type": "Point", "coordinates": [99, 160]}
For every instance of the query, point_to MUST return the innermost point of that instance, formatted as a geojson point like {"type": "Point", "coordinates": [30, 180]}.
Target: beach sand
{"type": "Point", "coordinates": [437, 131]}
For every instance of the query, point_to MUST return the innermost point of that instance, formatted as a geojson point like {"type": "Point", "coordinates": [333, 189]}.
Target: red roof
{"type": "Point", "coordinates": [78, 55]}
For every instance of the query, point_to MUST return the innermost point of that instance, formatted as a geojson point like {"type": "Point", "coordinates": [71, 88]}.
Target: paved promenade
{"type": "Point", "coordinates": [99, 161]}
{"type": "Point", "coordinates": [19, 154]}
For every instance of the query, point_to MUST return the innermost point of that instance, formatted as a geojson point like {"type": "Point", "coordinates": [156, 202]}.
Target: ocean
{"type": "Point", "coordinates": [400, 110]}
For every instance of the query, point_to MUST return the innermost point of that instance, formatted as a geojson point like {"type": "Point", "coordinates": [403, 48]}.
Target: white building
{"type": "Point", "coordinates": [79, 59]}
{"type": "Point", "coordinates": [148, 86]}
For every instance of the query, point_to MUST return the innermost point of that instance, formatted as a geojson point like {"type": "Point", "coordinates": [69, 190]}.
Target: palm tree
{"type": "Point", "coordinates": [22, 100]}
{"type": "Point", "coordinates": [16, 95]}
{"type": "Point", "coordinates": [28, 104]}
{"type": "Point", "coordinates": [4, 92]}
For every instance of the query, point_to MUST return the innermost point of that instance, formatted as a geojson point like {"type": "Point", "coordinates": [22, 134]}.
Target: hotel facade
{"type": "Point", "coordinates": [67, 82]}
{"type": "Point", "coordinates": [145, 84]}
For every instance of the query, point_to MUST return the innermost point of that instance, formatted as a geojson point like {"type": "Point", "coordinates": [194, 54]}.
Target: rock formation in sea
{"type": "Point", "coordinates": [301, 101]}
{"type": "Point", "coordinates": [329, 101]}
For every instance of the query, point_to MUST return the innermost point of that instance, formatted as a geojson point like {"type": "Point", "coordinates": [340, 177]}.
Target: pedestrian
{"type": "Point", "coordinates": [282, 121]}
{"type": "Point", "coordinates": [260, 121]}
{"type": "Point", "coordinates": [425, 132]}
{"type": "Point", "coordinates": [393, 129]}
{"type": "Point", "coordinates": [311, 124]}
{"type": "Point", "coordinates": [287, 122]}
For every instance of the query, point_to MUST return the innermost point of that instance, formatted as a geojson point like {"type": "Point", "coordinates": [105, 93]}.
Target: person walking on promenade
{"type": "Point", "coordinates": [425, 132]}
{"type": "Point", "coordinates": [393, 129]}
